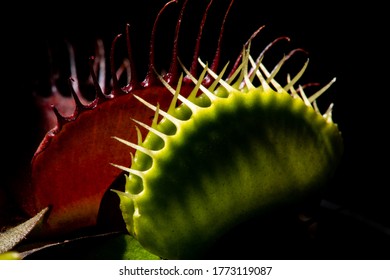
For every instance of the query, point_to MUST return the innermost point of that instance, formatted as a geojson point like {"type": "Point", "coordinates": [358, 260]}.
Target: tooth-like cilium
{"type": "Point", "coordinates": [208, 166]}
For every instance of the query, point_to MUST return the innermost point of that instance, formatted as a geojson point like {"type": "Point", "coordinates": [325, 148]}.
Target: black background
{"type": "Point", "coordinates": [343, 41]}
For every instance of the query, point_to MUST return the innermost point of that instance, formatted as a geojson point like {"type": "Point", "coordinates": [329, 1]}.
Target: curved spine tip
{"type": "Point", "coordinates": [133, 83]}
{"type": "Point", "coordinates": [61, 120]}
{"type": "Point", "coordinates": [151, 78]}
{"type": "Point", "coordinates": [238, 60]}
{"type": "Point", "coordinates": [173, 74]}
{"type": "Point", "coordinates": [194, 64]}
{"type": "Point", "coordinates": [116, 89]}
{"type": "Point", "coordinates": [217, 56]}
{"type": "Point", "coordinates": [79, 105]}
{"type": "Point", "coordinates": [99, 93]}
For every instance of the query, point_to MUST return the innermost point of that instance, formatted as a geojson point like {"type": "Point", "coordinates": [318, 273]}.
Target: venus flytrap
{"type": "Point", "coordinates": [211, 149]}
{"type": "Point", "coordinates": [208, 166]}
